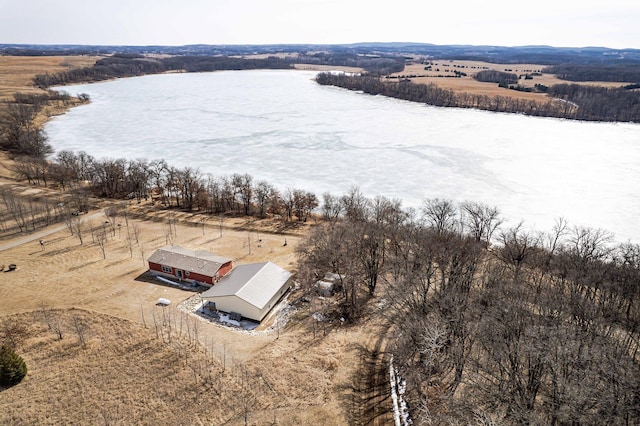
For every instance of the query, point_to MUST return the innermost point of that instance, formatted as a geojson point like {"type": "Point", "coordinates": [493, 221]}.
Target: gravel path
{"type": "Point", "coordinates": [45, 233]}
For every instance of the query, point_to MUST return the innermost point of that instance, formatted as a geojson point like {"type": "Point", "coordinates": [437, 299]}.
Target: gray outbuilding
{"type": "Point", "coordinates": [250, 290]}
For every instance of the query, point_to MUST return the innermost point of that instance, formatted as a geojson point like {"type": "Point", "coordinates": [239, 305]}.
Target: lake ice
{"type": "Point", "coordinates": [283, 127]}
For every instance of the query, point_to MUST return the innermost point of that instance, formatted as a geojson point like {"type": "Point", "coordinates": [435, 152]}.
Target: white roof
{"type": "Point", "coordinates": [255, 283]}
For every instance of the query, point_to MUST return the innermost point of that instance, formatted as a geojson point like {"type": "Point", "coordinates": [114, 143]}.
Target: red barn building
{"type": "Point", "coordinates": [197, 266]}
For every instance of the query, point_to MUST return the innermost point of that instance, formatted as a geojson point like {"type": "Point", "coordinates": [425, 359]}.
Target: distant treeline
{"type": "Point", "coordinates": [20, 132]}
{"type": "Point", "coordinates": [624, 73]}
{"type": "Point", "coordinates": [599, 103]}
{"type": "Point", "coordinates": [131, 65]}
{"type": "Point", "coordinates": [569, 101]}
{"type": "Point", "coordinates": [378, 65]}
{"type": "Point", "coordinates": [547, 55]}
{"type": "Point", "coordinates": [493, 76]}
{"type": "Point", "coordinates": [81, 175]}
{"type": "Point", "coordinates": [431, 94]}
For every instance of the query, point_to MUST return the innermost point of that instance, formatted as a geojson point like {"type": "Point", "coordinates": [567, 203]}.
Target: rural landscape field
{"type": "Point", "coordinates": [439, 316]}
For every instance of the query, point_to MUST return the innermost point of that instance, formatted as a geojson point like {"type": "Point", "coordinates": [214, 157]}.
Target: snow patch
{"type": "Point", "coordinates": [401, 414]}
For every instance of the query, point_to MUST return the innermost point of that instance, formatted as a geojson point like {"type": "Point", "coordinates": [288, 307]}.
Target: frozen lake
{"type": "Point", "coordinates": [283, 127]}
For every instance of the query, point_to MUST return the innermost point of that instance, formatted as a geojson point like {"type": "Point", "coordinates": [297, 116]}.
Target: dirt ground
{"type": "Point", "coordinates": [67, 275]}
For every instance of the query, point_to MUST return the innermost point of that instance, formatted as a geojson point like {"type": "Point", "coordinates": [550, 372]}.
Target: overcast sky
{"type": "Point", "coordinates": [609, 23]}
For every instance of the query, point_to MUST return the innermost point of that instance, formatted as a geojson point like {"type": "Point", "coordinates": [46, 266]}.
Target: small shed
{"type": "Point", "coordinates": [327, 285]}
{"type": "Point", "coordinates": [251, 290]}
{"type": "Point", "coordinates": [198, 266]}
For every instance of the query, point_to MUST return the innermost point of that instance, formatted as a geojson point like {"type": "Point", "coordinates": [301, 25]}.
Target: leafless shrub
{"type": "Point", "coordinates": [81, 327]}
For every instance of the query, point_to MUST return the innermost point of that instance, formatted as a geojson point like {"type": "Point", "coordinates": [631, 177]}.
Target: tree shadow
{"type": "Point", "coordinates": [367, 394]}
{"type": "Point", "coordinates": [148, 277]}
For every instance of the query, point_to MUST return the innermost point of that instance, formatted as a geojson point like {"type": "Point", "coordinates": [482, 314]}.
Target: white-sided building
{"type": "Point", "coordinates": [250, 290]}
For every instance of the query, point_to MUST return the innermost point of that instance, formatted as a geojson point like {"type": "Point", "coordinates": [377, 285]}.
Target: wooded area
{"type": "Point", "coordinates": [431, 94]}
{"type": "Point", "coordinates": [623, 73]}
{"type": "Point", "coordinates": [489, 325]}
{"type": "Point", "coordinates": [574, 101]}
{"type": "Point", "coordinates": [130, 65]}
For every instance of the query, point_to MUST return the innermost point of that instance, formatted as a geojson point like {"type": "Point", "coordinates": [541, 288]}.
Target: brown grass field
{"type": "Point", "coordinates": [126, 371]}
{"type": "Point", "coordinates": [17, 72]}
{"type": "Point", "coordinates": [469, 85]}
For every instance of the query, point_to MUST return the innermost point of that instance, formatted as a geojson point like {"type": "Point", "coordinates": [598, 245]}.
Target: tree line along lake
{"type": "Point", "coordinates": [283, 127]}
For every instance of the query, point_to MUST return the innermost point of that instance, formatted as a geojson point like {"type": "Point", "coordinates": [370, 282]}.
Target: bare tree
{"type": "Point", "coordinates": [80, 326]}
{"type": "Point", "coordinates": [56, 323]}
{"type": "Point", "coordinates": [16, 208]}
{"type": "Point", "coordinates": [442, 215]}
{"type": "Point", "coordinates": [354, 204]}
{"type": "Point", "coordinates": [243, 187]}
{"type": "Point", "coordinates": [112, 214]}
{"type": "Point", "coordinates": [517, 246]}
{"type": "Point", "coordinates": [135, 228]}
{"type": "Point", "coordinates": [77, 224]}
{"type": "Point", "coordinates": [480, 220]}
{"type": "Point", "coordinates": [288, 203]}
{"type": "Point", "coordinates": [19, 133]}
{"type": "Point", "coordinates": [261, 194]}
{"type": "Point", "coordinates": [331, 207]}
{"type": "Point", "coordinates": [100, 238]}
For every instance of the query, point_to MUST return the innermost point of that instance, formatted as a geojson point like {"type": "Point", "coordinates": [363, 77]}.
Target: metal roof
{"type": "Point", "coordinates": [198, 261]}
{"type": "Point", "coordinates": [255, 283]}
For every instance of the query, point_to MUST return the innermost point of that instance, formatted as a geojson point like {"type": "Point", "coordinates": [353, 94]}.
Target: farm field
{"type": "Point", "coordinates": [442, 69]}
{"type": "Point", "coordinates": [17, 72]}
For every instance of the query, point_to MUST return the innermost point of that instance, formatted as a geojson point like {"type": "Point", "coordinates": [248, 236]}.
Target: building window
{"type": "Point", "coordinates": [167, 269]}
{"type": "Point", "coordinates": [187, 273]}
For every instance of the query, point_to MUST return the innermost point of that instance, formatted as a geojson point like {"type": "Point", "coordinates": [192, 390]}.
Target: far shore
{"type": "Point", "coordinates": [17, 73]}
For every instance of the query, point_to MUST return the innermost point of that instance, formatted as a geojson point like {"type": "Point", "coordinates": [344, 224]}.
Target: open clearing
{"type": "Point", "coordinates": [127, 370]}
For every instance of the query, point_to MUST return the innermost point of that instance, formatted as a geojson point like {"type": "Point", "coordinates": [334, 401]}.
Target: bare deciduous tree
{"type": "Point", "coordinates": [442, 215]}
{"type": "Point", "coordinates": [480, 220]}
{"type": "Point", "coordinates": [81, 327]}
{"type": "Point", "coordinates": [100, 238]}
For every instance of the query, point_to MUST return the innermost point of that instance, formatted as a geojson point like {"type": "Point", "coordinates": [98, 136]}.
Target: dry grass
{"type": "Point", "coordinates": [469, 85]}
{"type": "Point", "coordinates": [126, 375]}
{"type": "Point", "coordinates": [127, 371]}
{"type": "Point", "coordinates": [308, 67]}
{"type": "Point", "coordinates": [307, 378]}
{"type": "Point", "coordinates": [17, 72]}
